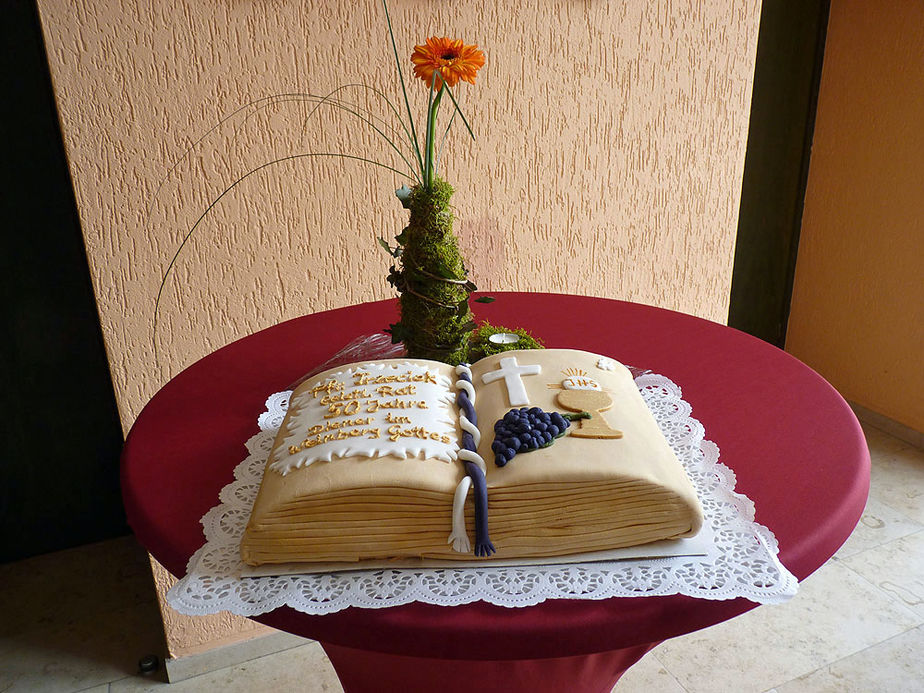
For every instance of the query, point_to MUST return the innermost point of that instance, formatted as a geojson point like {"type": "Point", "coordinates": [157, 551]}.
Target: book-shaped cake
{"type": "Point", "coordinates": [527, 453]}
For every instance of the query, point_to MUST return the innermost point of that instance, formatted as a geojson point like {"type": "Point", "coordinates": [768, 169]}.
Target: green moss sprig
{"type": "Point", "coordinates": [480, 344]}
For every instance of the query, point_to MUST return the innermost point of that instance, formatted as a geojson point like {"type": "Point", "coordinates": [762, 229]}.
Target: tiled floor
{"type": "Point", "coordinates": [80, 620]}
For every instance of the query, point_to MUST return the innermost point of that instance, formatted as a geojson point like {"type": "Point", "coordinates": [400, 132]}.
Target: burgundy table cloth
{"type": "Point", "coordinates": [795, 446]}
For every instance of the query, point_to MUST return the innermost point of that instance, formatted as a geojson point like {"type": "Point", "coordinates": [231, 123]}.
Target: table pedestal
{"type": "Point", "coordinates": [361, 671]}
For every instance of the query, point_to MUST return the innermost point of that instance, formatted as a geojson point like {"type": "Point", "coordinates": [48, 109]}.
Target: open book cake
{"type": "Point", "coordinates": [523, 454]}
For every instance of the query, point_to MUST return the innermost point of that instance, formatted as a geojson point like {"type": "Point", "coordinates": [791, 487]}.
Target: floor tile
{"type": "Point", "coordinates": [73, 656]}
{"type": "Point", "coordinates": [897, 568]}
{"type": "Point", "coordinates": [880, 442]}
{"type": "Point", "coordinates": [73, 585]}
{"type": "Point", "coordinates": [774, 644]}
{"type": "Point", "coordinates": [897, 480]}
{"type": "Point", "coordinates": [305, 669]}
{"type": "Point", "coordinates": [879, 525]}
{"type": "Point", "coordinates": [648, 675]}
{"type": "Point", "coordinates": [893, 666]}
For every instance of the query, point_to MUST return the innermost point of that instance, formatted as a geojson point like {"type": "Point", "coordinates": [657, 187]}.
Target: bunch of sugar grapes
{"type": "Point", "coordinates": [525, 429]}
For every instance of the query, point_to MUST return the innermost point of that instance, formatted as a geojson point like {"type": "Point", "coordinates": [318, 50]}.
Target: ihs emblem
{"type": "Point", "coordinates": [581, 393]}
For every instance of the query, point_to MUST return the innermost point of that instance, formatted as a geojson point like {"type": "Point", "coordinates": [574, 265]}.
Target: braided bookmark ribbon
{"type": "Point", "coordinates": [475, 470]}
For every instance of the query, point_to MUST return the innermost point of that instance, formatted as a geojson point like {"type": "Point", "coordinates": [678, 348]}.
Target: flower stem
{"type": "Point", "coordinates": [431, 139]}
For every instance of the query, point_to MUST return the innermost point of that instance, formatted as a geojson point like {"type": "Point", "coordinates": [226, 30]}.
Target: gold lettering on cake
{"type": "Point", "coordinates": [389, 391]}
{"type": "Point", "coordinates": [345, 397]}
{"type": "Point", "coordinates": [341, 434]}
{"type": "Point", "coordinates": [391, 418]}
{"type": "Point", "coordinates": [339, 409]}
{"type": "Point", "coordinates": [335, 425]}
{"type": "Point", "coordinates": [328, 387]}
{"type": "Point", "coordinates": [396, 432]}
{"type": "Point", "coordinates": [376, 404]}
{"type": "Point", "coordinates": [363, 378]}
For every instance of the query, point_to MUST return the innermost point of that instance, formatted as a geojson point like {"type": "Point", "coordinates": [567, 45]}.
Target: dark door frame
{"type": "Point", "coordinates": [60, 458]}
{"type": "Point", "coordinates": [790, 51]}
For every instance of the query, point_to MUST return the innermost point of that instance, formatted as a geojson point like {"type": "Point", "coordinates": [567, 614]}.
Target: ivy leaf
{"type": "Point", "coordinates": [485, 299]}
{"type": "Point", "coordinates": [397, 332]}
{"type": "Point", "coordinates": [394, 252]}
{"type": "Point", "coordinates": [441, 271]}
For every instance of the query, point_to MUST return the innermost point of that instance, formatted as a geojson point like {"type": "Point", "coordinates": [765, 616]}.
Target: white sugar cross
{"type": "Point", "coordinates": [511, 371]}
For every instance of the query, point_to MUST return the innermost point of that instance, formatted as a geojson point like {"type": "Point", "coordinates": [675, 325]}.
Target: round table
{"type": "Point", "coordinates": [795, 446]}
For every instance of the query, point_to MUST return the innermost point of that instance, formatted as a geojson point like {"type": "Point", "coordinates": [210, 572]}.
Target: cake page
{"type": "Point", "coordinates": [368, 448]}
{"type": "Point", "coordinates": [609, 481]}
{"type": "Point", "coordinates": [703, 544]}
{"type": "Point", "coordinates": [620, 434]}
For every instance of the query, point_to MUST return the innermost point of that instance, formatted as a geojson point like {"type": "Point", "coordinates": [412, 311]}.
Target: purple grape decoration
{"type": "Point", "coordinates": [527, 429]}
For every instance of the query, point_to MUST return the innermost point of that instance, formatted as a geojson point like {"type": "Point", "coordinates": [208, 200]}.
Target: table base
{"type": "Point", "coordinates": [361, 671]}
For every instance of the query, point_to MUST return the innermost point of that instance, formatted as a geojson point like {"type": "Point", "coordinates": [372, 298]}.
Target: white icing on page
{"type": "Point", "coordinates": [376, 410]}
{"type": "Point", "coordinates": [511, 371]}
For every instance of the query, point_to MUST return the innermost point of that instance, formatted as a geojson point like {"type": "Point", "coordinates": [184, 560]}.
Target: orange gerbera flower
{"type": "Point", "coordinates": [451, 57]}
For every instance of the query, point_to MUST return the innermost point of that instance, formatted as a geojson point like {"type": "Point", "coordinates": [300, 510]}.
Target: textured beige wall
{"type": "Point", "coordinates": [610, 148]}
{"type": "Point", "coordinates": [192, 635]}
{"type": "Point", "coordinates": [858, 300]}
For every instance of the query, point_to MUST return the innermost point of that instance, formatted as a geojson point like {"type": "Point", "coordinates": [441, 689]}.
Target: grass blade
{"type": "Point", "coordinates": [327, 101]}
{"type": "Point", "coordinates": [407, 103]}
{"type": "Point", "coordinates": [384, 97]}
{"type": "Point", "coordinates": [213, 203]}
{"type": "Point", "coordinates": [459, 111]}
{"type": "Point", "coordinates": [445, 137]}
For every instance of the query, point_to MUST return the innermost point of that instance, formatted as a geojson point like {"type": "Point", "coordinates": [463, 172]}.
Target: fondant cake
{"type": "Point", "coordinates": [378, 460]}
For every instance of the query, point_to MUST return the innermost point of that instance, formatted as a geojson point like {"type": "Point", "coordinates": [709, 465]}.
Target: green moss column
{"type": "Point", "coordinates": [431, 278]}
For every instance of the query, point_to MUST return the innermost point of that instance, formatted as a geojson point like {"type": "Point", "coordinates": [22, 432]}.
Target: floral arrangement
{"type": "Point", "coordinates": [428, 270]}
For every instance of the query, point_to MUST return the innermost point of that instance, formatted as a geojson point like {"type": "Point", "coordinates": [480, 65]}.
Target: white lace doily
{"type": "Point", "coordinates": [745, 565]}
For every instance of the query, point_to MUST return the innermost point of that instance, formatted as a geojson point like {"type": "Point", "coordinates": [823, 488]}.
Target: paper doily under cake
{"type": "Point", "coordinates": [745, 563]}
